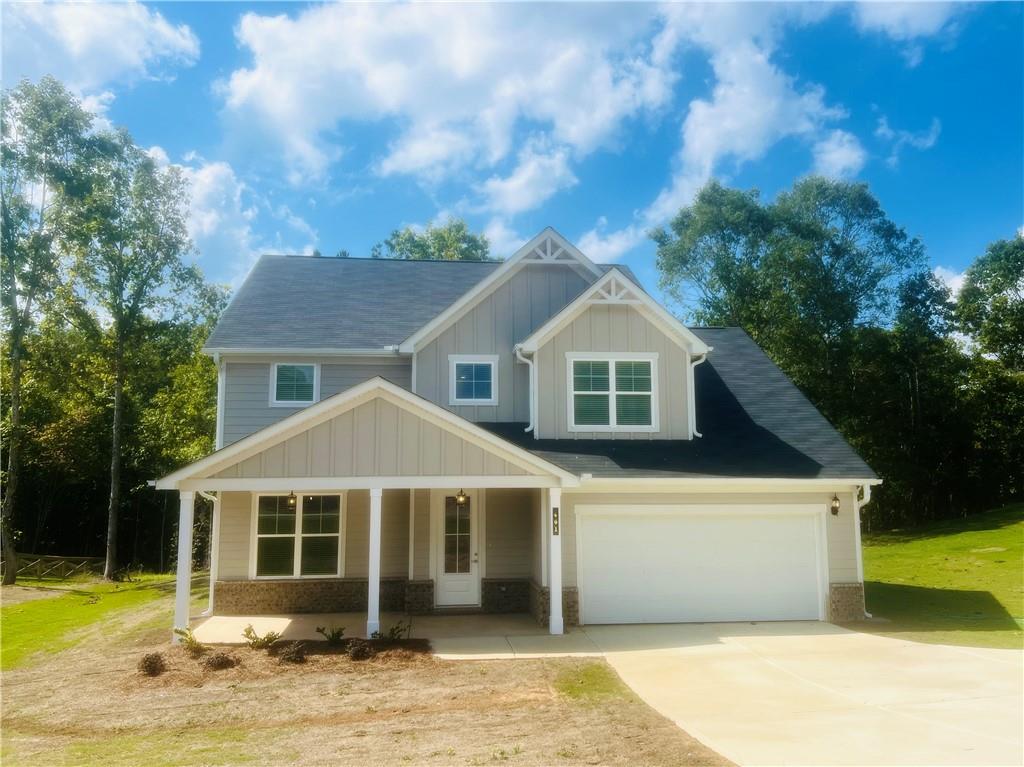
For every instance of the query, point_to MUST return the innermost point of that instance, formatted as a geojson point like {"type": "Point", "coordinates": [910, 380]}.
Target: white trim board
{"type": "Point", "coordinates": [328, 408]}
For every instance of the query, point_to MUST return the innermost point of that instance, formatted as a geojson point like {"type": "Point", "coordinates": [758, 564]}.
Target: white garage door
{"type": "Point", "coordinates": [682, 564]}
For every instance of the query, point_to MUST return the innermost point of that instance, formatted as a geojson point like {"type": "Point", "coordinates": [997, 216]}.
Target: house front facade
{"type": "Point", "coordinates": [535, 435]}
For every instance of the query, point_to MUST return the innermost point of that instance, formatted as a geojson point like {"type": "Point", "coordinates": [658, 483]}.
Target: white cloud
{"type": "Point", "coordinates": [90, 45]}
{"type": "Point", "coordinates": [604, 247]}
{"type": "Point", "coordinates": [461, 86]}
{"type": "Point", "coordinates": [503, 240]}
{"type": "Point", "coordinates": [538, 175]}
{"type": "Point", "coordinates": [898, 139]}
{"type": "Point", "coordinates": [951, 278]}
{"type": "Point", "coordinates": [839, 155]}
{"type": "Point", "coordinates": [908, 22]}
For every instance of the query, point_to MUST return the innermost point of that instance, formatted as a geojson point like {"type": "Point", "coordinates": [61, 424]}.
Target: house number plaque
{"type": "Point", "coordinates": [554, 520]}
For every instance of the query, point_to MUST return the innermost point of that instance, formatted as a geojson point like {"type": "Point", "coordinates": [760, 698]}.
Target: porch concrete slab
{"type": "Point", "coordinates": [815, 694]}
{"type": "Point", "coordinates": [227, 629]}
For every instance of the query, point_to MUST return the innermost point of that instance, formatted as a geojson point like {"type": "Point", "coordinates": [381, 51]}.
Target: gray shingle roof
{"type": "Point", "coordinates": [303, 302]}
{"type": "Point", "coordinates": [755, 422]}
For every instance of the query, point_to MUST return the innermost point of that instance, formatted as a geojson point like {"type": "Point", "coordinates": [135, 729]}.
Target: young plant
{"type": "Point", "coordinates": [152, 664]}
{"type": "Point", "coordinates": [218, 661]}
{"type": "Point", "coordinates": [333, 635]}
{"type": "Point", "coordinates": [189, 643]}
{"type": "Point", "coordinates": [398, 632]}
{"type": "Point", "coordinates": [293, 653]}
{"type": "Point", "coordinates": [257, 642]}
{"type": "Point", "coordinates": [359, 649]}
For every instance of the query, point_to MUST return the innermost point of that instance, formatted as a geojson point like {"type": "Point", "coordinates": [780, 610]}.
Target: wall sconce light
{"type": "Point", "coordinates": [291, 500]}
{"type": "Point", "coordinates": [835, 505]}
{"type": "Point", "coordinates": [461, 498]}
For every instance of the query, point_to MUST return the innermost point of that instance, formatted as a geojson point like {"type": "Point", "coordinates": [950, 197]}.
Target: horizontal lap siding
{"type": "Point", "coordinates": [611, 329]}
{"type": "Point", "coordinates": [509, 533]}
{"type": "Point", "coordinates": [840, 530]}
{"type": "Point", "coordinates": [376, 438]}
{"type": "Point", "coordinates": [247, 388]}
{"type": "Point", "coordinates": [494, 326]}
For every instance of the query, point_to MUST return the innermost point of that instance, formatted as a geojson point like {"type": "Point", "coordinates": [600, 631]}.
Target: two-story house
{"type": "Point", "coordinates": [536, 434]}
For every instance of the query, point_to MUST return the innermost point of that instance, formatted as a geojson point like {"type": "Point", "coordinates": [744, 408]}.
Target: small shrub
{"type": "Point", "coordinates": [257, 642]}
{"type": "Point", "coordinates": [333, 635]}
{"type": "Point", "coordinates": [189, 643]}
{"type": "Point", "coordinates": [359, 649]}
{"type": "Point", "coordinates": [152, 664]}
{"type": "Point", "coordinates": [293, 653]}
{"type": "Point", "coordinates": [396, 633]}
{"type": "Point", "coordinates": [218, 661]}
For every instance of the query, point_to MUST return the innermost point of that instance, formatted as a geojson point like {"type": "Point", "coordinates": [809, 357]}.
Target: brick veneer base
{"type": "Point", "coordinates": [845, 602]}
{"type": "Point", "coordinates": [505, 595]}
{"type": "Point", "coordinates": [419, 597]}
{"type": "Point", "coordinates": [334, 595]}
{"type": "Point", "coordinates": [540, 604]}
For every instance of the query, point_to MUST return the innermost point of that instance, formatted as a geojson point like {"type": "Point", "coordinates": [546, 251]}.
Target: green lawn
{"type": "Point", "coordinates": [956, 582]}
{"type": "Point", "coordinates": [56, 623]}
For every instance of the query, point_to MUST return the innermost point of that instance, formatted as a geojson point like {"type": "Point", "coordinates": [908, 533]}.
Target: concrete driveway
{"type": "Point", "coordinates": [812, 693]}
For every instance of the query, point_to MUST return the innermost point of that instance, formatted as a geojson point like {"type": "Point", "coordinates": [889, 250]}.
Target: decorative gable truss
{"type": "Point", "coordinates": [548, 247]}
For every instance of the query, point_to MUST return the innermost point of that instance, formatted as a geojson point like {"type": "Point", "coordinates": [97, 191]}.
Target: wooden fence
{"type": "Point", "coordinates": [56, 567]}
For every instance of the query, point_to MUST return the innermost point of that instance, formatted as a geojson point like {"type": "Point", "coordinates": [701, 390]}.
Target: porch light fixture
{"type": "Point", "coordinates": [835, 505]}
{"type": "Point", "coordinates": [460, 498]}
{"type": "Point", "coordinates": [291, 500]}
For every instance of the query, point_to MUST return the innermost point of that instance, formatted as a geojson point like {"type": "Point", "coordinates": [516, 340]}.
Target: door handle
{"type": "Point", "coordinates": [476, 559]}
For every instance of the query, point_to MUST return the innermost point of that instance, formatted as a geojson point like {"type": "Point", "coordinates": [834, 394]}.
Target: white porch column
{"type": "Point", "coordinates": [555, 625]}
{"type": "Point", "coordinates": [373, 592]}
{"type": "Point", "coordinates": [214, 548]}
{"type": "Point", "coordinates": [183, 588]}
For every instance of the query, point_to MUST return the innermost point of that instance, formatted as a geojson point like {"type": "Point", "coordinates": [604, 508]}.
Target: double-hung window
{"type": "Point", "coordinates": [298, 539]}
{"type": "Point", "coordinates": [294, 385]}
{"type": "Point", "coordinates": [473, 379]}
{"type": "Point", "coordinates": [612, 392]}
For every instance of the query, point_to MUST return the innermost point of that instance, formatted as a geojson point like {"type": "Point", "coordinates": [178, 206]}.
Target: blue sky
{"type": "Point", "coordinates": [305, 126]}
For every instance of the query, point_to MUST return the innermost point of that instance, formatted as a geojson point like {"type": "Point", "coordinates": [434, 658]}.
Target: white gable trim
{"type": "Point", "coordinates": [332, 406]}
{"type": "Point", "coordinates": [615, 288]}
{"type": "Point", "coordinates": [548, 247]}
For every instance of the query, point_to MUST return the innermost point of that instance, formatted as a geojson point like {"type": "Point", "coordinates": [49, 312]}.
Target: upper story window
{"type": "Point", "coordinates": [612, 392]}
{"type": "Point", "coordinates": [294, 385]}
{"type": "Point", "coordinates": [473, 379]}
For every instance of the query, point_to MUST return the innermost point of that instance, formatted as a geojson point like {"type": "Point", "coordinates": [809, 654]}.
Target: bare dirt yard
{"type": "Point", "coordinates": [90, 705]}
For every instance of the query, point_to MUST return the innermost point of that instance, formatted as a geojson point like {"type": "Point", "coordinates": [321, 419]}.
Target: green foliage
{"type": "Point", "coordinates": [591, 682]}
{"type": "Point", "coordinates": [333, 635]}
{"type": "Point", "coordinates": [257, 642]}
{"type": "Point", "coordinates": [152, 664]}
{"type": "Point", "coordinates": [360, 649]}
{"type": "Point", "coordinates": [451, 241]}
{"type": "Point", "coordinates": [397, 632]}
{"type": "Point", "coordinates": [294, 652]}
{"type": "Point", "coordinates": [219, 661]}
{"type": "Point", "coordinates": [841, 299]}
{"type": "Point", "coordinates": [192, 646]}
{"type": "Point", "coordinates": [991, 304]}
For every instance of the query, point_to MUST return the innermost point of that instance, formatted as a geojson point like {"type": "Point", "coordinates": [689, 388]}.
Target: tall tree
{"type": "Point", "coordinates": [44, 140]}
{"type": "Point", "coordinates": [991, 303]}
{"type": "Point", "coordinates": [130, 240]}
{"type": "Point", "coordinates": [452, 241]}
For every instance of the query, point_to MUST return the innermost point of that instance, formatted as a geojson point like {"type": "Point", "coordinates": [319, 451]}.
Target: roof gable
{"type": "Point", "coordinates": [231, 461]}
{"type": "Point", "coordinates": [615, 288]}
{"type": "Point", "coordinates": [548, 247]}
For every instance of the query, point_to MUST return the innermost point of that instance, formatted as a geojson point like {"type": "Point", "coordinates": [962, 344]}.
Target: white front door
{"type": "Point", "coordinates": [456, 532]}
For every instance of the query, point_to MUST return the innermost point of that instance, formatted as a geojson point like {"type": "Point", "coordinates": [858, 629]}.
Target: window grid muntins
{"type": "Point", "coordinates": [300, 541]}
{"type": "Point", "coordinates": [457, 536]}
{"type": "Point", "coordinates": [612, 393]}
{"type": "Point", "coordinates": [474, 381]}
{"type": "Point", "coordinates": [294, 383]}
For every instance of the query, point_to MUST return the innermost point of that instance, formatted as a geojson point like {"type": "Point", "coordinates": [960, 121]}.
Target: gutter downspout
{"type": "Point", "coordinates": [533, 385]}
{"type": "Point", "coordinates": [693, 392]}
{"type": "Point", "coordinates": [857, 504]}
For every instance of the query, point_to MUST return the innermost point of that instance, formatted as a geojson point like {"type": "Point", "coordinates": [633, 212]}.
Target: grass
{"type": "Point", "coordinates": [955, 582]}
{"type": "Point", "coordinates": [57, 623]}
{"type": "Point", "coordinates": [590, 682]}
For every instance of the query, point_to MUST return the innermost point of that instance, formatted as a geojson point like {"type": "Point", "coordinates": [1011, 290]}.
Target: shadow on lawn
{"type": "Point", "coordinates": [919, 608]}
{"type": "Point", "coordinates": [990, 520]}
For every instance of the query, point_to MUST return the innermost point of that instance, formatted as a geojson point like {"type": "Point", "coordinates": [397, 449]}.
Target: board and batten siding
{"type": "Point", "coordinates": [247, 387]}
{"type": "Point", "coordinates": [611, 328]}
{"type": "Point", "coordinates": [840, 529]}
{"type": "Point", "coordinates": [494, 326]}
{"type": "Point", "coordinates": [374, 439]}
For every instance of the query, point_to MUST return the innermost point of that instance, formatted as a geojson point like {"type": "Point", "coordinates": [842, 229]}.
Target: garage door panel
{"type": "Point", "coordinates": [640, 568]}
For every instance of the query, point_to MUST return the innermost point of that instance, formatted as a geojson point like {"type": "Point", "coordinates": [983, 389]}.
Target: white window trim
{"type": "Point", "coordinates": [489, 359]}
{"type": "Point", "coordinates": [611, 358]}
{"type": "Point", "coordinates": [297, 535]}
{"type": "Point", "coordinates": [275, 402]}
